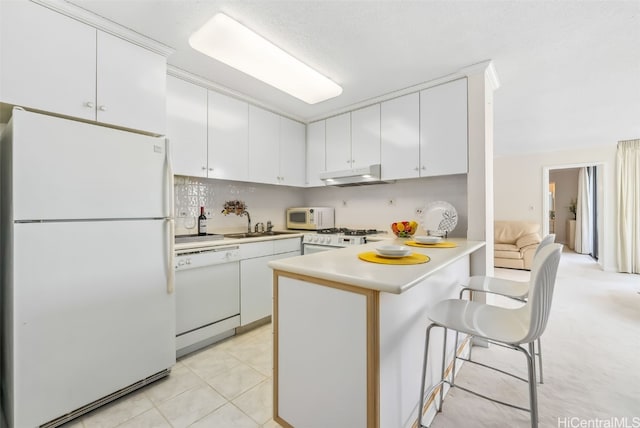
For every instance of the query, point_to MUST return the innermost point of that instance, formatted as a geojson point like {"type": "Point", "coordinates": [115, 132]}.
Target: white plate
{"type": "Point", "coordinates": [440, 216]}
{"type": "Point", "coordinates": [393, 251]}
{"type": "Point", "coordinates": [399, 256]}
{"type": "Point", "coordinates": [427, 239]}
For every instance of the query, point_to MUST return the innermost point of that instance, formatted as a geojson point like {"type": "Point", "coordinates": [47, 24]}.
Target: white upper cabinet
{"type": "Point", "coordinates": [365, 136]}
{"type": "Point", "coordinates": [48, 60]}
{"type": "Point", "coordinates": [315, 153]}
{"type": "Point", "coordinates": [292, 152]}
{"type": "Point", "coordinates": [400, 129]}
{"type": "Point", "coordinates": [131, 85]}
{"type": "Point", "coordinates": [443, 129]}
{"type": "Point", "coordinates": [264, 142]}
{"type": "Point", "coordinates": [338, 142]}
{"type": "Point", "coordinates": [187, 127]}
{"type": "Point", "coordinates": [276, 149]}
{"type": "Point", "coordinates": [54, 63]}
{"type": "Point", "coordinates": [228, 155]}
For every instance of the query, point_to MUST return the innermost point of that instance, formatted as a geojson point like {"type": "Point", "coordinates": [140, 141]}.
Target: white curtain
{"type": "Point", "coordinates": [584, 213]}
{"type": "Point", "coordinates": [628, 169]}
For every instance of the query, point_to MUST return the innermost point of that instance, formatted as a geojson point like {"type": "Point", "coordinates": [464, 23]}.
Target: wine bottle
{"type": "Point", "coordinates": [202, 223]}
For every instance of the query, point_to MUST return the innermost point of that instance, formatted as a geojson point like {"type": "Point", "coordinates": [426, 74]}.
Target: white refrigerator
{"type": "Point", "coordinates": [87, 266]}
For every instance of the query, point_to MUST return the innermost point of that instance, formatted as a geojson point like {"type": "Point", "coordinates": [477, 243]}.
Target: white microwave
{"type": "Point", "coordinates": [310, 218]}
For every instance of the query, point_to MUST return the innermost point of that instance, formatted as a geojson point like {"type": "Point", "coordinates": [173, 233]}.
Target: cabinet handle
{"type": "Point", "coordinates": [423, 167]}
{"type": "Point", "coordinates": [210, 169]}
{"type": "Point", "coordinates": [416, 169]}
{"type": "Point", "coordinates": [204, 168]}
{"type": "Point", "coordinates": [89, 104]}
{"type": "Point", "coordinates": [102, 108]}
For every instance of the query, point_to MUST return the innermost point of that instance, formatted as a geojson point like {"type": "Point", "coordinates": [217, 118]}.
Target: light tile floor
{"type": "Point", "coordinates": [227, 385]}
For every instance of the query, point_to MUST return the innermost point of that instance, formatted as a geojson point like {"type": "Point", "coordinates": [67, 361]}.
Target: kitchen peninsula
{"type": "Point", "coordinates": [349, 334]}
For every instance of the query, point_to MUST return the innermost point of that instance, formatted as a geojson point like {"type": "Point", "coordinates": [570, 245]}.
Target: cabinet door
{"type": "Point", "coordinates": [256, 287]}
{"type": "Point", "coordinates": [228, 138]}
{"type": "Point", "coordinates": [365, 136]}
{"type": "Point", "coordinates": [400, 129]}
{"type": "Point", "coordinates": [131, 85]}
{"type": "Point", "coordinates": [315, 153]}
{"type": "Point", "coordinates": [256, 279]}
{"type": "Point", "coordinates": [338, 142]}
{"type": "Point", "coordinates": [443, 129]}
{"type": "Point", "coordinates": [187, 127]}
{"type": "Point", "coordinates": [48, 60]}
{"type": "Point", "coordinates": [264, 142]}
{"type": "Point", "coordinates": [292, 152]}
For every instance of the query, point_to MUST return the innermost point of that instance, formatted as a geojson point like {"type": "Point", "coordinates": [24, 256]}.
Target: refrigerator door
{"type": "Point", "coordinates": [91, 312]}
{"type": "Point", "coordinates": [64, 169]}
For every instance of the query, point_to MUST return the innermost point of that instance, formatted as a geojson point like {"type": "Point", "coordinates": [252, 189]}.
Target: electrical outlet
{"type": "Point", "coordinates": [391, 201]}
{"type": "Point", "coordinates": [182, 214]}
{"type": "Point", "coordinates": [207, 213]}
{"type": "Point", "coordinates": [344, 203]}
{"type": "Point", "coordinates": [419, 212]}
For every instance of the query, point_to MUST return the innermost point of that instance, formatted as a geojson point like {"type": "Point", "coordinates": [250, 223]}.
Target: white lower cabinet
{"type": "Point", "coordinates": [256, 277]}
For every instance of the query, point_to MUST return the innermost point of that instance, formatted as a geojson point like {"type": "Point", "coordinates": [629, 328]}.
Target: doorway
{"type": "Point", "coordinates": [571, 191]}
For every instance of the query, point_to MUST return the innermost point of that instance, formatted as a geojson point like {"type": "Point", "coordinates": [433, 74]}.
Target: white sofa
{"type": "Point", "coordinates": [515, 244]}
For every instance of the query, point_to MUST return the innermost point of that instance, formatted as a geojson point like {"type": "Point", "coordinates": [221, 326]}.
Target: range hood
{"type": "Point", "coordinates": [353, 177]}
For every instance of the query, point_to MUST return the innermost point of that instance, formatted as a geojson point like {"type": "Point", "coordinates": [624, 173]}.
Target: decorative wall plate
{"type": "Point", "coordinates": [440, 216]}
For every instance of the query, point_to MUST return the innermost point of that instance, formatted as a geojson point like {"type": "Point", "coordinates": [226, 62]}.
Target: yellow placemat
{"type": "Point", "coordinates": [443, 244]}
{"type": "Point", "coordinates": [412, 259]}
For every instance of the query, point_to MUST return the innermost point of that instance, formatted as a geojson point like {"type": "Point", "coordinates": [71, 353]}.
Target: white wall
{"type": "Point", "coordinates": [518, 188]}
{"type": "Point", "coordinates": [566, 181]}
{"type": "Point", "coordinates": [369, 207]}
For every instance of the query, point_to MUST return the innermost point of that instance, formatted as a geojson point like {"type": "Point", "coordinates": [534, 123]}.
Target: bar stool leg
{"type": "Point", "coordinates": [444, 367]}
{"type": "Point", "coordinates": [540, 359]}
{"type": "Point", "coordinates": [424, 374]}
{"type": "Point", "coordinates": [533, 397]}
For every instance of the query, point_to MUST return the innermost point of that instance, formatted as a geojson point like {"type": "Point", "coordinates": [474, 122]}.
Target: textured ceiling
{"type": "Point", "coordinates": [569, 70]}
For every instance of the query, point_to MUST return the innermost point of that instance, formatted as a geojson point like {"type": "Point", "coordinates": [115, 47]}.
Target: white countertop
{"type": "Point", "coordinates": [235, 241]}
{"type": "Point", "coordinates": [344, 266]}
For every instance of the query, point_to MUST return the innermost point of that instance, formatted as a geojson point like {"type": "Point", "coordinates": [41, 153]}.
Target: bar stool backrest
{"type": "Point", "coordinates": [549, 239]}
{"type": "Point", "coordinates": [541, 285]}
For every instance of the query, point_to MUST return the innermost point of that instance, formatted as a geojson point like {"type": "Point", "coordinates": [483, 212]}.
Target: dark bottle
{"type": "Point", "coordinates": [202, 222]}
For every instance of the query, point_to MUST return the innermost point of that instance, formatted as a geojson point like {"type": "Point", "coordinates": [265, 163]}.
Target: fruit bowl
{"type": "Point", "coordinates": [404, 229]}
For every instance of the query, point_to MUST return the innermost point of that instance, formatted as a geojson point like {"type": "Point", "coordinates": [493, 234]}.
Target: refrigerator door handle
{"type": "Point", "coordinates": [171, 274]}
{"type": "Point", "coordinates": [172, 226]}
{"type": "Point", "coordinates": [170, 184]}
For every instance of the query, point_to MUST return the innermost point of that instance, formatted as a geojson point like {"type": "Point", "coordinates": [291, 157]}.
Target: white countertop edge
{"type": "Point", "coordinates": [418, 273]}
{"type": "Point", "coordinates": [234, 241]}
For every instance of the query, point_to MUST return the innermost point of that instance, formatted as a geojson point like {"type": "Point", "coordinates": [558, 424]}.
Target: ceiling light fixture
{"type": "Point", "coordinates": [228, 41]}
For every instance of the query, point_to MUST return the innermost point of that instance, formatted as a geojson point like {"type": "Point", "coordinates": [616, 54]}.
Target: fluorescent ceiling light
{"type": "Point", "coordinates": [228, 41]}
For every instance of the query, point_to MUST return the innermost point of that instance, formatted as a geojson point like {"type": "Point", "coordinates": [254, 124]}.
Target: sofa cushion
{"type": "Point", "coordinates": [505, 247]}
{"type": "Point", "coordinates": [530, 239]}
{"type": "Point", "coordinates": [508, 232]}
{"type": "Point", "coordinates": [507, 254]}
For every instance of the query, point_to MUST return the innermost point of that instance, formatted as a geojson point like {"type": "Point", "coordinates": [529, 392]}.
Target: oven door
{"type": "Point", "coordinates": [315, 248]}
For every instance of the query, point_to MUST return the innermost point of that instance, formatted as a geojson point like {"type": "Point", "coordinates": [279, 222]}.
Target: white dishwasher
{"type": "Point", "coordinates": [207, 287]}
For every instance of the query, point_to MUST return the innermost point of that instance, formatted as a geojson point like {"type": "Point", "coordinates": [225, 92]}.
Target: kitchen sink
{"type": "Point", "coordinates": [255, 234]}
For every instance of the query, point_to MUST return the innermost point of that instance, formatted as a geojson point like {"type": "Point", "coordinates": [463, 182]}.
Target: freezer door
{"type": "Point", "coordinates": [64, 169]}
{"type": "Point", "coordinates": [91, 312]}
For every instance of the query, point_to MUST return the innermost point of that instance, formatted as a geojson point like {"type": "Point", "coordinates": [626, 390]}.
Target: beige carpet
{"type": "Point", "coordinates": [591, 353]}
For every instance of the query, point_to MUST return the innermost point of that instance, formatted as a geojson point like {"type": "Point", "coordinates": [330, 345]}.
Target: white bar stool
{"type": "Point", "coordinates": [511, 328]}
{"type": "Point", "coordinates": [516, 290]}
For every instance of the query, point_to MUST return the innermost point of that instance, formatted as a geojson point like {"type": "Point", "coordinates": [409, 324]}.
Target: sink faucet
{"type": "Point", "coordinates": [269, 226]}
{"type": "Point", "coordinates": [259, 227]}
{"type": "Point", "coordinates": [248, 220]}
